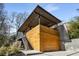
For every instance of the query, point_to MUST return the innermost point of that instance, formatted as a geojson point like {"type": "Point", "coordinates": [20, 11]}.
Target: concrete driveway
{"type": "Point", "coordinates": [59, 53]}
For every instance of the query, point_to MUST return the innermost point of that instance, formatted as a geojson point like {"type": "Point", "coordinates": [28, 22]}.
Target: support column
{"type": "Point", "coordinates": [26, 44]}
{"type": "Point", "coordinates": [63, 36]}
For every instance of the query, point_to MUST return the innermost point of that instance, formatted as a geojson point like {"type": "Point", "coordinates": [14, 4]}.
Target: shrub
{"type": "Point", "coordinates": [73, 27]}
{"type": "Point", "coordinates": [3, 51]}
{"type": "Point", "coordinates": [13, 49]}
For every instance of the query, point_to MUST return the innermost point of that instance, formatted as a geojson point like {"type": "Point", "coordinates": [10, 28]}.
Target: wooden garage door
{"type": "Point", "coordinates": [50, 40]}
{"type": "Point", "coordinates": [42, 38]}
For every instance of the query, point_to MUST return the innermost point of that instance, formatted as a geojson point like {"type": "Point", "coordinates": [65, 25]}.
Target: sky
{"type": "Point", "coordinates": [63, 11]}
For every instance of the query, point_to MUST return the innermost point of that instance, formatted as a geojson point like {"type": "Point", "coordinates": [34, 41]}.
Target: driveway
{"type": "Point", "coordinates": [59, 53]}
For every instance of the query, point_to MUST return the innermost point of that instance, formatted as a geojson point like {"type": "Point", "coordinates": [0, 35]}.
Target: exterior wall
{"type": "Point", "coordinates": [33, 36]}
{"type": "Point", "coordinates": [49, 39]}
{"type": "Point", "coordinates": [43, 38]}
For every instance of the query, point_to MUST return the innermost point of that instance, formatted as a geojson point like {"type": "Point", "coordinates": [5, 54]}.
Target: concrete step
{"type": "Point", "coordinates": [30, 52]}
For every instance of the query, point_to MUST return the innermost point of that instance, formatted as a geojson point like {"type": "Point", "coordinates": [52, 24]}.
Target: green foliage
{"type": "Point", "coordinates": [73, 27]}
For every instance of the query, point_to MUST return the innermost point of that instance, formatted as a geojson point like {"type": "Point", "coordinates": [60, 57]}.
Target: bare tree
{"type": "Point", "coordinates": [3, 25]}
{"type": "Point", "coordinates": [16, 20]}
{"type": "Point", "coordinates": [3, 15]}
{"type": "Point", "coordinates": [20, 18]}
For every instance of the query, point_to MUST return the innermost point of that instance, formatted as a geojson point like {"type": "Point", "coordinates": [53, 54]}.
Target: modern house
{"type": "Point", "coordinates": [40, 34]}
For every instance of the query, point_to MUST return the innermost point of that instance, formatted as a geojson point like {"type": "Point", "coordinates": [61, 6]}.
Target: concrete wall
{"type": "Point", "coordinates": [74, 44]}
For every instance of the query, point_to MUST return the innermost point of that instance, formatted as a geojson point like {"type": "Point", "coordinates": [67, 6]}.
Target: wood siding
{"type": "Point", "coordinates": [50, 40]}
{"type": "Point", "coordinates": [33, 36]}
{"type": "Point", "coordinates": [43, 38]}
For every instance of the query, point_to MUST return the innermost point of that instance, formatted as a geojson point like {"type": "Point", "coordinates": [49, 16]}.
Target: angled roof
{"type": "Point", "coordinates": [45, 19]}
